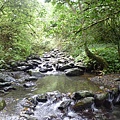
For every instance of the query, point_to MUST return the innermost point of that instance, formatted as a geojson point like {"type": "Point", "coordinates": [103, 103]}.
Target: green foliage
{"type": "Point", "coordinates": [111, 55]}
{"type": "Point", "coordinates": [27, 27]}
{"type": "Point", "coordinates": [108, 52]}
{"type": "Point", "coordinates": [94, 21]}
{"type": "Point", "coordinates": [39, 47]}
{"type": "Point", "coordinates": [20, 26]}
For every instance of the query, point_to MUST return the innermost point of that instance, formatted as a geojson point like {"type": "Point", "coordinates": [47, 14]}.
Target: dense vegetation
{"type": "Point", "coordinates": [75, 26]}
{"type": "Point", "coordinates": [19, 31]}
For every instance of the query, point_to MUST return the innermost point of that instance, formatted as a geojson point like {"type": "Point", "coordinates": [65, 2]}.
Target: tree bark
{"type": "Point", "coordinates": [102, 62]}
{"type": "Point", "coordinates": [99, 21]}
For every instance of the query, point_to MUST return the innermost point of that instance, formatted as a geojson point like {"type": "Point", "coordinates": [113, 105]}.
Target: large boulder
{"type": "Point", "coordinates": [100, 99]}
{"type": "Point", "coordinates": [74, 72]}
{"type": "Point", "coordinates": [83, 104]}
{"type": "Point", "coordinates": [2, 104]}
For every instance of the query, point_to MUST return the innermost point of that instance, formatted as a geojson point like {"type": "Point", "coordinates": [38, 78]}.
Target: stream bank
{"type": "Point", "coordinates": [55, 87]}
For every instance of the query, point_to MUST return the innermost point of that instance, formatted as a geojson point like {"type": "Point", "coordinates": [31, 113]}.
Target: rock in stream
{"type": "Point", "coordinates": [80, 105]}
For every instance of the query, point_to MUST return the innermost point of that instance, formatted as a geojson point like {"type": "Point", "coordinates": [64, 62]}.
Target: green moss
{"type": "Point", "coordinates": [2, 104]}
{"type": "Point", "coordinates": [84, 103]}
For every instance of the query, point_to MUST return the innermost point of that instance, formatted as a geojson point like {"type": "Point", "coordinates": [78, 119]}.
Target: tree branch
{"type": "Point", "coordinates": [32, 30]}
{"type": "Point", "coordinates": [91, 25]}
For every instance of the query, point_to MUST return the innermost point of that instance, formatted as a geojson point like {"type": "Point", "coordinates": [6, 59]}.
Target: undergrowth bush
{"type": "Point", "coordinates": [109, 53]}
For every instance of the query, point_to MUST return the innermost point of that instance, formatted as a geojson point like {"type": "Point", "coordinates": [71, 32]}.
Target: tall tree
{"type": "Point", "coordinates": [99, 19]}
{"type": "Point", "coordinates": [18, 18]}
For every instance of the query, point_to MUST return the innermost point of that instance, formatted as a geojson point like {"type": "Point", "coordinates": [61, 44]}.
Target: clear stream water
{"type": "Point", "coordinates": [65, 84]}
{"type": "Point", "coordinates": [50, 83]}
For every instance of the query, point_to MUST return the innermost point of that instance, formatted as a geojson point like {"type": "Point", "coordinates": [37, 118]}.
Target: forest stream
{"type": "Point", "coordinates": [54, 87]}
{"type": "Point", "coordinates": [59, 59]}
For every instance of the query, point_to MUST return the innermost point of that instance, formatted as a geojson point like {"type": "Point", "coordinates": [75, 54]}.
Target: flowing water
{"type": "Point", "coordinates": [50, 83]}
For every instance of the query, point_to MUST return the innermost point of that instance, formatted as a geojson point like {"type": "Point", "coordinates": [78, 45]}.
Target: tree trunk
{"type": "Point", "coordinates": [102, 62]}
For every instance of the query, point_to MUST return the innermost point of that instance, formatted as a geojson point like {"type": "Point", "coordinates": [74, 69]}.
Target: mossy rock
{"type": "Point", "coordinates": [101, 96]}
{"type": "Point", "coordinates": [100, 99]}
{"type": "Point", "coordinates": [83, 104]}
{"type": "Point", "coordinates": [82, 94]}
{"type": "Point", "coordinates": [2, 104]}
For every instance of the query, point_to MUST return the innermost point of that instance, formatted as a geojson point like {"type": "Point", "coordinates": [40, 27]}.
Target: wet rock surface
{"type": "Point", "coordinates": [74, 72]}
{"type": "Point", "coordinates": [82, 94]}
{"type": "Point", "coordinates": [80, 105]}
{"type": "Point", "coordinates": [51, 61]}
{"type": "Point", "coordinates": [29, 84]}
{"type": "Point", "coordinates": [61, 106]}
{"type": "Point", "coordinates": [26, 72]}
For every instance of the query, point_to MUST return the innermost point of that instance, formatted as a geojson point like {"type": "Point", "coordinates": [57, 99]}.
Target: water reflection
{"type": "Point", "coordinates": [61, 83]}
{"type": "Point", "coordinates": [64, 84]}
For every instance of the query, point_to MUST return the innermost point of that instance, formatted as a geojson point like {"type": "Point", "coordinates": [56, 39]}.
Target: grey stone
{"type": "Point", "coordinates": [43, 70]}
{"type": "Point", "coordinates": [80, 65]}
{"type": "Point", "coordinates": [9, 88]}
{"type": "Point", "coordinates": [6, 78]}
{"type": "Point", "coordinates": [83, 104]}
{"type": "Point", "coordinates": [22, 68]}
{"type": "Point", "coordinates": [74, 72]}
{"type": "Point", "coordinates": [31, 78]}
{"type": "Point", "coordinates": [100, 98]}
{"type": "Point", "coordinates": [117, 79]}
{"type": "Point", "coordinates": [64, 105]}
{"type": "Point", "coordinates": [63, 67]}
{"type": "Point", "coordinates": [29, 84]}
{"type": "Point", "coordinates": [36, 73]}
